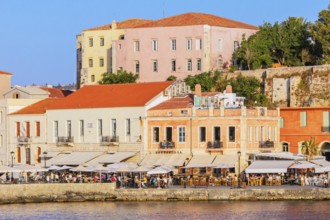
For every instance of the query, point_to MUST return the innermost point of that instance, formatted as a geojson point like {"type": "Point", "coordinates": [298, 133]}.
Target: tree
{"type": "Point", "coordinates": [309, 148]}
{"type": "Point", "coordinates": [171, 78]}
{"type": "Point", "coordinates": [321, 36]}
{"type": "Point", "coordinates": [207, 80]}
{"type": "Point", "coordinates": [118, 78]}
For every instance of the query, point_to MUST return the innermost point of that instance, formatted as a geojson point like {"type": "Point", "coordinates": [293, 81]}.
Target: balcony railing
{"type": "Point", "coordinates": [106, 140]}
{"type": "Point", "coordinates": [166, 145]}
{"type": "Point", "coordinates": [64, 140]}
{"type": "Point", "coordinates": [214, 145]}
{"type": "Point", "coordinates": [23, 139]}
{"type": "Point", "coordinates": [266, 144]}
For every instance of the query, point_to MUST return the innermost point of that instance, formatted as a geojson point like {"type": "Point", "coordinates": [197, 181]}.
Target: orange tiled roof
{"type": "Point", "coordinates": [5, 73]}
{"type": "Point", "coordinates": [193, 18]}
{"type": "Point", "coordinates": [130, 23]}
{"type": "Point", "coordinates": [54, 92]}
{"type": "Point", "coordinates": [114, 95]}
{"type": "Point", "coordinates": [175, 103]}
{"type": "Point", "coordinates": [38, 107]}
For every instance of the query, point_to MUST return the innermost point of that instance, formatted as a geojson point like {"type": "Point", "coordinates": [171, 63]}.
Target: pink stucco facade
{"type": "Point", "coordinates": [217, 43]}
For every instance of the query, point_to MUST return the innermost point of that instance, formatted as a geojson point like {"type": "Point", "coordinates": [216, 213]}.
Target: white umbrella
{"type": "Point", "coordinates": [54, 167]}
{"type": "Point", "coordinates": [5, 169]}
{"type": "Point", "coordinates": [30, 168]}
{"type": "Point", "coordinates": [158, 170]}
{"type": "Point", "coordinates": [64, 168]}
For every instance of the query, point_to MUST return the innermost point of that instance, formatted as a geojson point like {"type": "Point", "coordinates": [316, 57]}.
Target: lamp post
{"type": "Point", "coordinates": [239, 169]}
{"type": "Point", "coordinates": [12, 164]}
{"type": "Point", "coordinates": [45, 155]}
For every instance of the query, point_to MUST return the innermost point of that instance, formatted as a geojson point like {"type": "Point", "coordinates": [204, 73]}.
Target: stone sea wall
{"type": "Point", "coordinates": [35, 193]}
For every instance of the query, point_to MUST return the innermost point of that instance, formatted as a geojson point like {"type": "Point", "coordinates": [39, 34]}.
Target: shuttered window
{"type": "Point", "coordinates": [37, 128]}
{"type": "Point", "coordinates": [303, 119]}
{"type": "Point", "coordinates": [326, 122]}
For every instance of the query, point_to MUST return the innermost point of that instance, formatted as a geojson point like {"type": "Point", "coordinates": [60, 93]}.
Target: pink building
{"type": "Point", "coordinates": [181, 45]}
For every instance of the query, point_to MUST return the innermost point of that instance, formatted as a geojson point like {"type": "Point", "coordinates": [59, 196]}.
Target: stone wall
{"type": "Point", "coordinates": [294, 86]}
{"type": "Point", "coordinates": [32, 193]}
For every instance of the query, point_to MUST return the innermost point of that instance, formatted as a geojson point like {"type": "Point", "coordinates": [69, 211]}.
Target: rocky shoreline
{"type": "Point", "coordinates": [37, 193]}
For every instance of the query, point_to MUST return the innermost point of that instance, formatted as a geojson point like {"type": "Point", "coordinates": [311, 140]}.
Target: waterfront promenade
{"type": "Point", "coordinates": [30, 193]}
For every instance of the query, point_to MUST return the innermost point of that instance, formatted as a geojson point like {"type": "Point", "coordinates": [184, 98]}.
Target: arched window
{"type": "Point", "coordinates": [285, 147]}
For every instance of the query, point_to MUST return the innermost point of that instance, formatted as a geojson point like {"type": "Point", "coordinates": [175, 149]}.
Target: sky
{"type": "Point", "coordinates": [38, 37]}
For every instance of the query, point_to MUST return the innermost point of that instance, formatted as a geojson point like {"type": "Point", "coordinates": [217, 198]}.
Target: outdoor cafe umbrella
{"type": "Point", "coordinates": [30, 168]}
{"type": "Point", "coordinates": [141, 169]}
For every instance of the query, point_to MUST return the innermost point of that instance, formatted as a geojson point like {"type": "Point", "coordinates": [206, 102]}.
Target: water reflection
{"type": "Point", "coordinates": [170, 210]}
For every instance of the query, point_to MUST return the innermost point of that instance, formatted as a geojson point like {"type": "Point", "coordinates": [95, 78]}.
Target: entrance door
{"type": "Point", "coordinates": [325, 150]}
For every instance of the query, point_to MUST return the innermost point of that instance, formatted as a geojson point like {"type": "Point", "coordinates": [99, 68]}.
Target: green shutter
{"type": "Point", "coordinates": [326, 124]}
{"type": "Point", "coordinates": [281, 122]}
{"type": "Point", "coordinates": [303, 121]}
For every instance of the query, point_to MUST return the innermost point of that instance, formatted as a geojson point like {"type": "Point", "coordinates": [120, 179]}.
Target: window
{"type": "Point", "coordinates": [262, 133]}
{"type": "Point", "coordinates": [173, 65]}
{"type": "Point", "coordinates": [220, 44]}
{"type": "Point", "coordinates": [128, 126]}
{"type": "Point", "coordinates": [28, 155]}
{"type": "Point", "coordinates": [281, 122]}
{"type": "Point", "coordinates": [232, 135]}
{"type": "Point", "coordinates": [155, 134]}
{"type": "Point", "coordinates": [90, 62]}
{"type": "Point", "coordinates": [250, 134]}
{"type": "Point", "coordinates": [202, 134]}
{"type": "Point", "coordinates": [199, 64]}
{"type": "Point", "coordinates": [202, 170]}
{"type": "Point", "coordinates": [16, 96]}
{"type": "Point", "coordinates": [189, 65]}
{"type": "Point", "coordinates": [155, 65]}
{"type": "Point", "coordinates": [101, 62]}
{"type": "Point", "coordinates": [189, 44]}
{"type": "Point", "coordinates": [137, 66]}
{"type": "Point", "coordinates": [18, 129]}
{"type": "Point", "coordinates": [217, 133]}
{"type": "Point", "coordinates": [220, 64]}
{"type": "Point", "coordinates": [100, 127]}
{"type": "Point", "coordinates": [236, 45]}
{"type": "Point", "coordinates": [90, 40]}
{"type": "Point", "coordinates": [27, 129]}
{"type": "Point", "coordinates": [114, 127]}
{"type": "Point", "coordinates": [285, 147]}
{"type": "Point", "coordinates": [102, 41]}
{"type": "Point", "coordinates": [326, 122]}
{"type": "Point", "coordinates": [182, 134]}
{"type": "Point", "coordinates": [198, 44]}
{"type": "Point", "coordinates": [55, 128]}
{"type": "Point", "coordinates": [37, 128]}
{"type": "Point", "coordinates": [82, 128]}
{"type": "Point", "coordinates": [136, 46]}
{"type": "Point", "coordinates": [275, 134]}
{"type": "Point", "coordinates": [68, 128]}
{"type": "Point", "coordinates": [168, 133]}
{"type": "Point", "coordinates": [303, 119]}
{"type": "Point", "coordinates": [173, 44]}
{"type": "Point", "coordinates": [256, 139]}
{"type": "Point", "coordinates": [155, 45]}
{"type": "Point", "coordinates": [269, 132]}
{"type": "Point", "coordinates": [92, 78]}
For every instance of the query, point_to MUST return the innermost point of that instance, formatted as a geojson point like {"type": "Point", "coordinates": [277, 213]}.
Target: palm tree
{"type": "Point", "coordinates": [309, 148]}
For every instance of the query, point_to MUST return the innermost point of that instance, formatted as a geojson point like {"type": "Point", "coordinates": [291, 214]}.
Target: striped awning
{"type": "Point", "coordinates": [201, 161]}
{"type": "Point", "coordinates": [74, 158]}
{"type": "Point", "coordinates": [176, 160]}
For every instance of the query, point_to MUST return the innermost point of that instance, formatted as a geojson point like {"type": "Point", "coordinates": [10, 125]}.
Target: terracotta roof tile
{"type": "Point", "coordinates": [115, 95]}
{"type": "Point", "coordinates": [192, 18]}
{"type": "Point", "coordinates": [130, 23]}
{"type": "Point", "coordinates": [38, 107]}
{"type": "Point", "coordinates": [5, 73]}
{"type": "Point", "coordinates": [55, 93]}
{"type": "Point", "coordinates": [175, 103]}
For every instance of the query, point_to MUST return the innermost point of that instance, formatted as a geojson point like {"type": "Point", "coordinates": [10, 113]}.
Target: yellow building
{"type": "Point", "coordinates": [94, 50]}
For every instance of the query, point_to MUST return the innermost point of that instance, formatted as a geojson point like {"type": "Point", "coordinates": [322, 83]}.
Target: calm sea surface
{"type": "Point", "coordinates": [170, 210]}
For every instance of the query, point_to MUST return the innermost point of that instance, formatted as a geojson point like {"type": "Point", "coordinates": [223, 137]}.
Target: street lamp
{"type": "Point", "coordinates": [45, 155]}
{"type": "Point", "coordinates": [239, 169]}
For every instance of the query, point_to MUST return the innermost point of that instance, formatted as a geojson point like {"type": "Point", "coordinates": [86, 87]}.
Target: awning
{"type": "Point", "coordinates": [111, 158]}
{"type": "Point", "coordinates": [201, 161]}
{"type": "Point", "coordinates": [225, 161]}
{"type": "Point", "coordinates": [325, 166]}
{"type": "Point", "coordinates": [75, 158]}
{"type": "Point", "coordinates": [269, 166]}
{"type": "Point", "coordinates": [30, 168]}
{"type": "Point", "coordinates": [303, 165]}
{"type": "Point", "coordinates": [176, 160]}
{"type": "Point", "coordinates": [281, 155]}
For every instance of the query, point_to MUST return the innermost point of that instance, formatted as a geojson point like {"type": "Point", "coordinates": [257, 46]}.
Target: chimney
{"type": "Point", "coordinates": [114, 25]}
{"type": "Point", "coordinates": [198, 90]}
{"type": "Point", "coordinates": [229, 89]}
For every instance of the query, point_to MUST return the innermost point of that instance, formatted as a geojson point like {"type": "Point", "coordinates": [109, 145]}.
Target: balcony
{"type": "Point", "coordinates": [64, 141]}
{"type": "Point", "coordinates": [266, 145]}
{"type": "Point", "coordinates": [167, 146]}
{"type": "Point", "coordinates": [109, 140]}
{"type": "Point", "coordinates": [214, 145]}
{"type": "Point", "coordinates": [23, 140]}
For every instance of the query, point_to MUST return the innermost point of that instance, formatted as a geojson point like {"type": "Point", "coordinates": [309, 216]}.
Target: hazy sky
{"type": "Point", "coordinates": [38, 37]}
